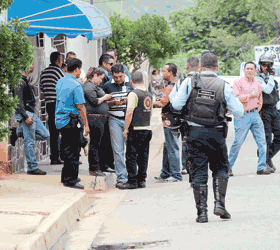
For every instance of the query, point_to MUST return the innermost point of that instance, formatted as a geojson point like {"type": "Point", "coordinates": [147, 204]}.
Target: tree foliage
{"type": "Point", "coordinates": [228, 27]}
{"type": "Point", "coordinates": [147, 37]}
{"type": "Point", "coordinates": [16, 55]}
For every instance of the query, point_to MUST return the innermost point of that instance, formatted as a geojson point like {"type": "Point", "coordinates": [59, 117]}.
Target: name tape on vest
{"type": "Point", "coordinates": [206, 94]}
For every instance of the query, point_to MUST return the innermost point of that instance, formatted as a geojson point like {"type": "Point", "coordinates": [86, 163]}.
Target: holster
{"type": "Point", "coordinates": [225, 130]}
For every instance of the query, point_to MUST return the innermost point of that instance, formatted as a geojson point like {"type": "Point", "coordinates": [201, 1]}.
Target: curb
{"type": "Point", "coordinates": [51, 229]}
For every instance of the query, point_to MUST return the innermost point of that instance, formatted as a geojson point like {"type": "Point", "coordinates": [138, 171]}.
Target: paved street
{"type": "Point", "coordinates": [162, 216]}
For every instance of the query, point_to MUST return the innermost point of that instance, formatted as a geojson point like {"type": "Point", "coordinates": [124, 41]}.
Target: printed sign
{"type": "Point", "coordinates": [202, 93]}
{"type": "Point", "coordinates": [274, 50]}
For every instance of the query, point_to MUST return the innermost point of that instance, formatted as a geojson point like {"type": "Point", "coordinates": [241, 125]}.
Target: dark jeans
{"type": "Point", "coordinates": [96, 125]}
{"type": "Point", "coordinates": [70, 140]}
{"type": "Point", "coordinates": [207, 146]}
{"type": "Point", "coordinates": [54, 132]}
{"type": "Point", "coordinates": [137, 151]}
{"type": "Point", "coordinates": [271, 122]}
{"type": "Point", "coordinates": [106, 155]}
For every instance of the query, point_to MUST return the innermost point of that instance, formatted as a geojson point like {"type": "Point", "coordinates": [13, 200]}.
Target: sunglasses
{"type": "Point", "coordinates": [266, 65]}
{"type": "Point", "coordinates": [111, 64]}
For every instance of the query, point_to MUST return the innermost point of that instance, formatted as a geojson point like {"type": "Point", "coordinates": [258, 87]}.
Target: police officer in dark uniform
{"type": "Point", "coordinates": [270, 113]}
{"type": "Point", "coordinates": [207, 98]}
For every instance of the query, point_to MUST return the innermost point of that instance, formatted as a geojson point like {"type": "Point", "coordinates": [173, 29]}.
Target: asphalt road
{"type": "Point", "coordinates": [162, 216]}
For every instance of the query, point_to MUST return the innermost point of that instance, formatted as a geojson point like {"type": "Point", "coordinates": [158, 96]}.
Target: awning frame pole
{"type": "Point", "coordinates": [46, 11]}
{"type": "Point", "coordinates": [53, 18]}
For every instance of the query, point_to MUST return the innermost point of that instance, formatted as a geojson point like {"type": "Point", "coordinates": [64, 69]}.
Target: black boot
{"type": "Point", "coordinates": [220, 189]}
{"type": "Point", "coordinates": [200, 196]}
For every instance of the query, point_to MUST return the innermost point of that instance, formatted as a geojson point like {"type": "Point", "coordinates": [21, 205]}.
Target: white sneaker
{"type": "Point", "coordinates": [171, 179]}
{"type": "Point", "coordinates": [184, 171]}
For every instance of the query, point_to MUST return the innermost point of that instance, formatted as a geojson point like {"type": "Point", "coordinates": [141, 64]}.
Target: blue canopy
{"type": "Point", "coordinates": [69, 17]}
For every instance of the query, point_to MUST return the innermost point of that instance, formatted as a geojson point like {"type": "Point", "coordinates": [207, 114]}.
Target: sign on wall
{"type": "Point", "coordinates": [274, 50]}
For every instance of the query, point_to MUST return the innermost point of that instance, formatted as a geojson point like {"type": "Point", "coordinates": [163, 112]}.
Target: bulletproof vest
{"type": "Point", "coordinates": [273, 97]}
{"type": "Point", "coordinates": [142, 113]}
{"type": "Point", "coordinates": [206, 104]}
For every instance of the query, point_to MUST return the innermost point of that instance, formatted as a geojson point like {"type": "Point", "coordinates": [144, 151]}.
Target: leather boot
{"type": "Point", "coordinates": [200, 196]}
{"type": "Point", "coordinates": [219, 189]}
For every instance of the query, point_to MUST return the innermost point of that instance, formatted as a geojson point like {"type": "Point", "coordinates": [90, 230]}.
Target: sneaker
{"type": "Point", "coordinates": [264, 171]}
{"type": "Point", "coordinates": [270, 164]}
{"type": "Point", "coordinates": [142, 184]}
{"type": "Point", "coordinates": [127, 186]}
{"type": "Point", "coordinates": [119, 184]}
{"type": "Point", "coordinates": [230, 173]}
{"type": "Point", "coordinates": [159, 178]}
{"type": "Point", "coordinates": [171, 179]}
{"type": "Point", "coordinates": [109, 170]}
{"type": "Point", "coordinates": [184, 171]}
{"type": "Point", "coordinates": [36, 172]}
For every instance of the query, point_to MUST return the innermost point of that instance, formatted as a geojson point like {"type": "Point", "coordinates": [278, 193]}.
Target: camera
{"type": "Point", "coordinates": [271, 70]}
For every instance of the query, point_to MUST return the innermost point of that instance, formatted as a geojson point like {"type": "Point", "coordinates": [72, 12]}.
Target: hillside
{"type": "Point", "coordinates": [135, 8]}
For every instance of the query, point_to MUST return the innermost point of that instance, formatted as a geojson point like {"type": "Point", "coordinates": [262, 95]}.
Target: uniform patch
{"type": "Point", "coordinates": [206, 94]}
{"type": "Point", "coordinates": [148, 103]}
{"type": "Point", "coordinates": [167, 123]}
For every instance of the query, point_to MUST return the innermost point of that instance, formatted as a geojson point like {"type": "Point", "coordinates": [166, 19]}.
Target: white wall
{"type": "Point", "coordinates": [80, 45]}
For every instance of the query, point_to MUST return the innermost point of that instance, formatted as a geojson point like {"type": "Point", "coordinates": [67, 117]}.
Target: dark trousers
{"type": "Point", "coordinates": [96, 125]}
{"type": "Point", "coordinates": [70, 140]}
{"type": "Point", "coordinates": [207, 147]}
{"type": "Point", "coordinates": [54, 132]}
{"type": "Point", "coordinates": [271, 122]}
{"type": "Point", "coordinates": [137, 151]}
{"type": "Point", "coordinates": [106, 154]}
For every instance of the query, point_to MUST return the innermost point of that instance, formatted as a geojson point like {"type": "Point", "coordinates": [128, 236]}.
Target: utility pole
{"type": "Point", "coordinates": [121, 7]}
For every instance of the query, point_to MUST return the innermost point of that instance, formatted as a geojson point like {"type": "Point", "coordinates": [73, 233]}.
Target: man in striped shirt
{"type": "Point", "coordinates": [48, 80]}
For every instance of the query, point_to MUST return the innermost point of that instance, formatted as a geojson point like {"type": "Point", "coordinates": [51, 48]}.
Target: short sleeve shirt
{"type": "Point", "coordinates": [69, 93]}
{"type": "Point", "coordinates": [132, 103]}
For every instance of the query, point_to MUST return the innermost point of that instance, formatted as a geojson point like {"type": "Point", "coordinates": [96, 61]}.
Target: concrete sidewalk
{"type": "Point", "coordinates": [36, 210]}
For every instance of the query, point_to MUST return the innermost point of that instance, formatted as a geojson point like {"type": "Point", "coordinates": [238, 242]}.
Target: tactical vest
{"type": "Point", "coordinates": [206, 104]}
{"type": "Point", "coordinates": [273, 97]}
{"type": "Point", "coordinates": [142, 113]}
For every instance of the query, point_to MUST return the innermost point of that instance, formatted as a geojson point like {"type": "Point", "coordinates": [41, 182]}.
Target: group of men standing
{"type": "Point", "coordinates": [202, 100]}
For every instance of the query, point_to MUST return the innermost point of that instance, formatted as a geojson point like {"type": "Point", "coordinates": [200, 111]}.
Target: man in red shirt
{"type": "Point", "coordinates": [249, 92]}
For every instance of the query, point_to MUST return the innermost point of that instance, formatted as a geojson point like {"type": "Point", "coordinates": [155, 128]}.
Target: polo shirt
{"type": "Point", "coordinates": [69, 93]}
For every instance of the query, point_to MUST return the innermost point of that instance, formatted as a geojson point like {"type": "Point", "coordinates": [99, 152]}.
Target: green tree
{"type": "Point", "coordinates": [229, 28]}
{"type": "Point", "coordinates": [16, 55]}
{"type": "Point", "coordinates": [148, 37]}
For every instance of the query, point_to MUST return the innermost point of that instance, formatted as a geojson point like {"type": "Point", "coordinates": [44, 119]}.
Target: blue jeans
{"type": "Point", "coordinates": [116, 130]}
{"type": "Point", "coordinates": [36, 132]}
{"type": "Point", "coordinates": [242, 125]}
{"type": "Point", "coordinates": [171, 152]}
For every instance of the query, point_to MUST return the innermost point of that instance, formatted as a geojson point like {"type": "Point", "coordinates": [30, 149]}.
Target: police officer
{"type": "Point", "coordinates": [207, 98]}
{"type": "Point", "coordinates": [138, 132]}
{"type": "Point", "coordinates": [270, 113]}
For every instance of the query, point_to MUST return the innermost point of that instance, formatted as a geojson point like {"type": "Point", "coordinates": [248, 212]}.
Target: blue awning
{"type": "Point", "coordinates": [69, 17]}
